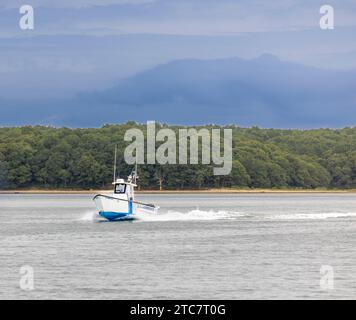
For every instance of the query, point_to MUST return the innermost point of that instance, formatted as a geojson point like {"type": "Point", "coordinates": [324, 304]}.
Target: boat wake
{"type": "Point", "coordinates": [312, 216]}
{"type": "Point", "coordinates": [230, 215]}
{"type": "Point", "coordinates": [188, 216]}
{"type": "Point", "coordinates": [210, 215]}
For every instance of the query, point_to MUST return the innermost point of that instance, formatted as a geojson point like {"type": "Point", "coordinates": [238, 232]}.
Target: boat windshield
{"type": "Point", "coordinates": [120, 188]}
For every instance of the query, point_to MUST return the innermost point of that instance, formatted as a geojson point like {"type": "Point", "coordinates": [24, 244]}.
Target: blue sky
{"type": "Point", "coordinates": [89, 45]}
{"type": "Point", "coordinates": [198, 17]}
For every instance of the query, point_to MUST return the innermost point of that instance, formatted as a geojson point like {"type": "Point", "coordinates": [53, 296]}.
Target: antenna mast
{"type": "Point", "coordinates": [115, 155]}
{"type": "Point", "coordinates": [136, 171]}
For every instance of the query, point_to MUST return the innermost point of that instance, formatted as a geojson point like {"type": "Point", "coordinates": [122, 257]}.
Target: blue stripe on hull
{"type": "Point", "coordinates": [112, 216]}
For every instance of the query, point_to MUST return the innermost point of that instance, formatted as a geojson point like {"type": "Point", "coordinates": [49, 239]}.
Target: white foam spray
{"type": "Point", "coordinates": [90, 216]}
{"type": "Point", "coordinates": [188, 216]}
{"type": "Point", "coordinates": [312, 216]}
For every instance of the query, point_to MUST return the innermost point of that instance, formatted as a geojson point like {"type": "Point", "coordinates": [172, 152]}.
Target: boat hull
{"type": "Point", "coordinates": [116, 216]}
{"type": "Point", "coordinates": [114, 208]}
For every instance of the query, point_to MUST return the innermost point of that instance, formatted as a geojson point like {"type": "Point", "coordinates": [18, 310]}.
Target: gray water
{"type": "Point", "coordinates": [198, 247]}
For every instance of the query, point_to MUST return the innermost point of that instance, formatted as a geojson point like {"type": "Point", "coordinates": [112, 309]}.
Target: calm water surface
{"type": "Point", "coordinates": [199, 246]}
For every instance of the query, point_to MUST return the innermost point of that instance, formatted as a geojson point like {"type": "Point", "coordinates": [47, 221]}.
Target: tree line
{"type": "Point", "coordinates": [56, 158]}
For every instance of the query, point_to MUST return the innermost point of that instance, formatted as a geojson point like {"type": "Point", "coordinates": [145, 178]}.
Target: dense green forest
{"type": "Point", "coordinates": [47, 157]}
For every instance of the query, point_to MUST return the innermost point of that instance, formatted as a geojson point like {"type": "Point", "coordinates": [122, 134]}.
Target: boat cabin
{"type": "Point", "coordinates": [123, 189]}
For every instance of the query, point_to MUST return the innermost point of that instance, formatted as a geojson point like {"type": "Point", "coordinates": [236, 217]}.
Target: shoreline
{"type": "Point", "coordinates": [208, 191]}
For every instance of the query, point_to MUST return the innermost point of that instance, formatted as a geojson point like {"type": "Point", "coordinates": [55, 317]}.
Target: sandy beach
{"type": "Point", "coordinates": [207, 191]}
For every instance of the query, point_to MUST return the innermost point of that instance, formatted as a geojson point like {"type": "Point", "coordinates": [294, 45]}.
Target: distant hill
{"type": "Point", "coordinates": [264, 91]}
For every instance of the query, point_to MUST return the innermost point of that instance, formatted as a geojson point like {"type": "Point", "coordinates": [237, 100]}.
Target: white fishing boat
{"type": "Point", "coordinates": [121, 204]}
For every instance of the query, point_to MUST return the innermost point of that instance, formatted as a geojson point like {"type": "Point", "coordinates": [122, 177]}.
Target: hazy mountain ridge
{"type": "Point", "coordinates": [264, 91]}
